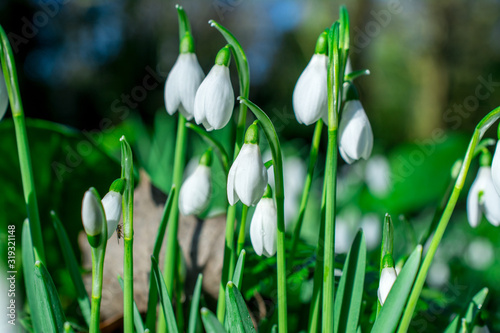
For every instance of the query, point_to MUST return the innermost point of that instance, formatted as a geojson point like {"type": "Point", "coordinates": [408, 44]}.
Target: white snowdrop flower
{"type": "Point", "coordinates": [4, 96]}
{"type": "Point", "coordinates": [355, 133]}
{"type": "Point", "coordinates": [310, 93]}
{"type": "Point", "coordinates": [214, 101]}
{"type": "Point", "coordinates": [93, 217]}
{"type": "Point", "coordinates": [196, 190]}
{"type": "Point", "coordinates": [183, 81]}
{"type": "Point", "coordinates": [483, 198]}
{"type": "Point", "coordinates": [495, 168]}
{"type": "Point", "coordinates": [264, 226]}
{"type": "Point", "coordinates": [378, 175]}
{"type": "Point", "coordinates": [387, 278]}
{"type": "Point", "coordinates": [247, 179]}
{"type": "Point", "coordinates": [112, 204]}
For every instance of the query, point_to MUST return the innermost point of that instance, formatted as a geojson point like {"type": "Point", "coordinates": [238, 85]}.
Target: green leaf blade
{"type": "Point", "coordinates": [210, 322]}
{"type": "Point", "coordinates": [166, 303]}
{"type": "Point", "coordinates": [238, 317]}
{"type": "Point", "coordinates": [195, 305]}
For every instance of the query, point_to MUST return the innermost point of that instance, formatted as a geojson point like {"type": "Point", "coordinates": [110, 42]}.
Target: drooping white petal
{"type": "Point", "coordinates": [214, 101]}
{"type": "Point", "coordinates": [232, 196]}
{"type": "Point", "coordinates": [250, 178]}
{"type": "Point", "coordinates": [310, 93]}
{"type": "Point", "coordinates": [473, 205]}
{"type": "Point", "coordinates": [355, 132]}
{"type": "Point", "coordinates": [112, 204]}
{"type": "Point", "coordinates": [263, 228]}
{"type": "Point", "coordinates": [4, 97]}
{"type": "Point", "coordinates": [491, 203]}
{"type": "Point", "coordinates": [387, 279]}
{"type": "Point", "coordinates": [495, 168]}
{"type": "Point", "coordinates": [194, 196]}
{"type": "Point", "coordinates": [92, 217]}
{"type": "Point", "coordinates": [182, 83]}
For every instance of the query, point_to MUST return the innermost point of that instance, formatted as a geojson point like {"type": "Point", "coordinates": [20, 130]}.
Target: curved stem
{"type": "Point", "coordinates": [481, 128]}
{"type": "Point", "coordinates": [313, 157]}
{"type": "Point", "coordinates": [241, 236]}
{"type": "Point", "coordinates": [10, 75]}
{"type": "Point", "coordinates": [331, 179]}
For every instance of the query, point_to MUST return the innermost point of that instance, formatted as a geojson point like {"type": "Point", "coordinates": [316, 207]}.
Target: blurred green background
{"type": "Point", "coordinates": [97, 68]}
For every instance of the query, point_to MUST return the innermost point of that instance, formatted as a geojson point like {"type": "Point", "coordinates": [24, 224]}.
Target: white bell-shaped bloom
{"type": "Point", "coordinates": [214, 101]}
{"type": "Point", "coordinates": [310, 94]}
{"type": "Point", "coordinates": [112, 204]}
{"type": "Point", "coordinates": [483, 198]}
{"type": "Point", "coordinates": [181, 85]}
{"type": "Point", "coordinates": [247, 178]}
{"type": "Point", "coordinates": [495, 168]}
{"type": "Point", "coordinates": [194, 196]}
{"type": "Point", "coordinates": [4, 96]}
{"type": "Point", "coordinates": [387, 279]}
{"type": "Point", "coordinates": [264, 226]}
{"type": "Point", "coordinates": [92, 213]}
{"type": "Point", "coordinates": [355, 133]}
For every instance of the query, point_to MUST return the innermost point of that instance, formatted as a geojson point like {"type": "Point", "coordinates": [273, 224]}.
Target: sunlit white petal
{"type": "Point", "coordinates": [495, 168]}
{"type": "Point", "coordinates": [355, 132]}
{"type": "Point", "coordinates": [92, 216]}
{"type": "Point", "coordinates": [387, 279]}
{"type": "Point", "coordinates": [263, 228]}
{"type": "Point", "coordinates": [195, 192]}
{"type": "Point", "coordinates": [112, 204]}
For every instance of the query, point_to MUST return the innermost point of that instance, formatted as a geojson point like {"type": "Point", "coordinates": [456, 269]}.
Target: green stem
{"type": "Point", "coordinates": [10, 74]}
{"type": "Point", "coordinates": [445, 218]}
{"type": "Point", "coordinates": [97, 273]}
{"type": "Point", "coordinates": [313, 157]}
{"type": "Point", "coordinates": [241, 236]}
{"type": "Point", "coordinates": [331, 180]}
{"type": "Point", "coordinates": [128, 237]}
{"type": "Point", "coordinates": [314, 312]}
{"type": "Point", "coordinates": [387, 247]}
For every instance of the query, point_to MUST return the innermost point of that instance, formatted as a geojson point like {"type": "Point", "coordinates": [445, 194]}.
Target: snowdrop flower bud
{"type": "Point", "coordinates": [183, 80]}
{"type": "Point", "coordinates": [92, 216]}
{"type": "Point", "coordinates": [310, 93]}
{"type": "Point", "coordinates": [387, 278]}
{"type": "Point", "coordinates": [4, 96]}
{"type": "Point", "coordinates": [483, 198]}
{"type": "Point", "coordinates": [247, 179]}
{"type": "Point", "coordinates": [355, 132]}
{"type": "Point", "coordinates": [112, 204]}
{"type": "Point", "coordinates": [264, 225]}
{"type": "Point", "coordinates": [495, 168]}
{"type": "Point", "coordinates": [194, 196]}
{"type": "Point", "coordinates": [214, 101]}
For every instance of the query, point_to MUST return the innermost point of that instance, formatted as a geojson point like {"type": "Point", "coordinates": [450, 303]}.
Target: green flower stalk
{"type": "Point", "coordinates": [95, 226]}
{"type": "Point", "coordinates": [10, 75]}
{"type": "Point", "coordinates": [481, 128]}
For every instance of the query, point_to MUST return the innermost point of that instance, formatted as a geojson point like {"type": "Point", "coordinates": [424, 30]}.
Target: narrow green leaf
{"type": "Point", "coordinates": [72, 266]}
{"type": "Point", "coordinates": [139, 326]}
{"type": "Point", "coordinates": [238, 270]}
{"type": "Point", "coordinates": [389, 316]}
{"type": "Point", "coordinates": [354, 75]}
{"type": "Point", "coordinates": [29, 277]}
{"type": "Point", "coordinates": [195, 305]}
{"type": "Point", "coordinates": [350, 291]}
{"type": "Point", "coordinates": [210, 322]}
{"type": "Point", "coordinates": [221, 152]}
{"type": "Point", "coordinates": [237, 312]}
{"type": "Point", "coordinates": [53, 317]}
{"type": "Point", "coordinates": [473, 310]}
{"type": "Point", "coordinates": [166, 304]}
{"type": "Point", "coordinates": [153, 292]}
{"type": "Point", "coordinates": [239, 55]}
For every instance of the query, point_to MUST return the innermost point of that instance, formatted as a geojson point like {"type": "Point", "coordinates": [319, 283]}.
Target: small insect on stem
{"type": "Point", "coordinates": [119, 232]}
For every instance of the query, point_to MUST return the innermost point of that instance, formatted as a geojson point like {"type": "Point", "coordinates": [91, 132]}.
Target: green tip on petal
{"type": "Point", "coordinates": [351, 93]}
{"type": "Point", "coordinates": [322, 43]}
{"type": "Point", "coordinates": [118, 185]}
{"type": "Point", "coordinates": [268, 193]}
{"type": "Point", "coordinates": [252, 134]}
{"type": "Point", "coordinates": [224, 56]}
{"type": "Point", "coordinates": [206, 158]}
{"type": "Point", "coordinates": [187, 44]}
{"type": "Point", "coordinates": [485, 159]}
{"type": "Point", "coordinates": [388, 261]}
{"type": "Point", "coordinates": [94, 241]}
